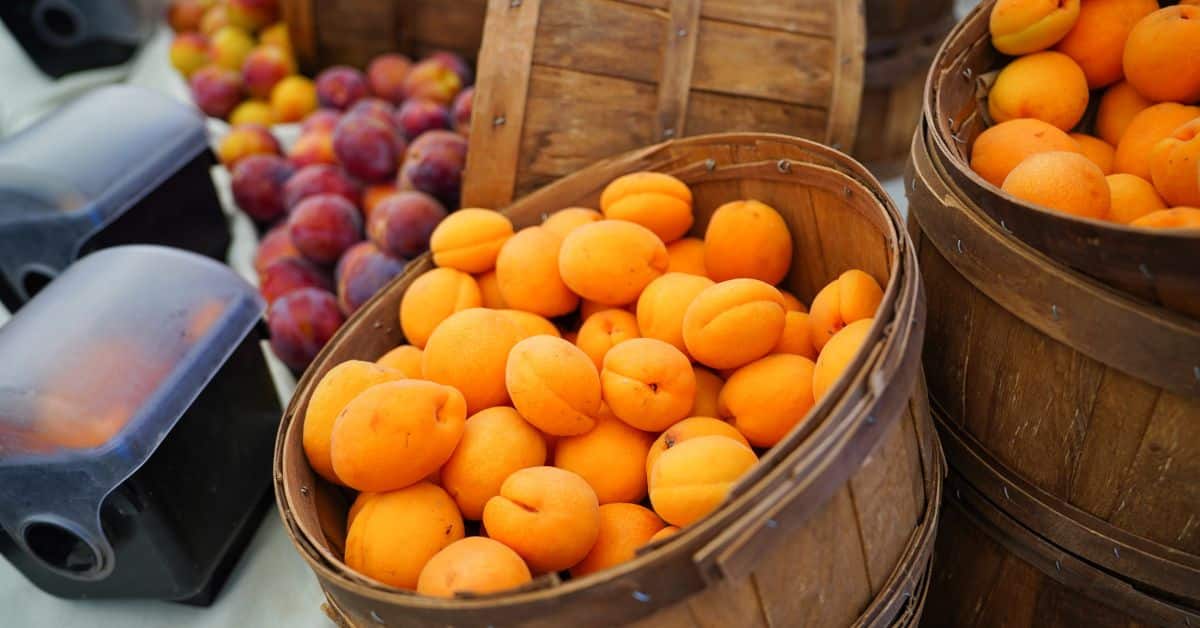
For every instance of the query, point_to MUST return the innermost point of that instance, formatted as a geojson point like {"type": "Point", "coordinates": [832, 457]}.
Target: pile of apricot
{"type": "Point", "coordinates": [1138, 65]}
{"type": "Point", "coordinates": [581, 388]}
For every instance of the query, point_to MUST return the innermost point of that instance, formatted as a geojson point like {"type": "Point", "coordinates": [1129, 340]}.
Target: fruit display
{"type": "Point", "coordinates": [573, 391]}
{"type": "Point", "coordinates": [1136, 161]}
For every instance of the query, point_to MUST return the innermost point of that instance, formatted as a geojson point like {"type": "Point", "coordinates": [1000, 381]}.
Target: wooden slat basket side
{"type": "Point", "coordinates": [1159, 266]}
{"type": "Point", "coordinates": [352, 32]}
{"type": "Point", "coordinates": [564, 83]}
{"type": "Point", "coordinates": [1068, 404]}
{"type": "Point", "coordinates": [860, 476]}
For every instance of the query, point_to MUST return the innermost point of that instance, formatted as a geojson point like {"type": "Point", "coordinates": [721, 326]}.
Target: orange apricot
{"type": "Point", "coordinates": [527, 270]}
{"type": "Point", "coordinates": [837, 355]}
{"type": "Point", "coordinates": [1162, 55]}
{"type": "Point", "coordinates": [1097, 151]}
{"type": "Point", "coordinates": [335, 389]}
{"type": "Point", "coordinates": [489, 291]}
{"type": "Point", "coordinates": [394, 434]}
{"type": "Point", "coordinates": [495, 443]}
{"type": "Point", "coordinates": [530, 324]}
{"type": "Point", "coordinates": [662, 305]}
{"type": "Point", "coordinates": [1132, 197]}
{"type": "Point", "coordinates": [656, 201]}
{"type": "Point", "coordinates": [549, 516]}
{"type": "Point", "coordinates": [747, 239]}
{"type": "Point", "coordinates": [611, 457]}
{"type": "Point", "coordinates": [623, 529]}
{"type": "Point", "coordinates": [765, 399]}
{"type": "Point", "coordinates": [395, 534]}
{"type": "Point", "coordinates": [1019, 27]}
{"type": "Point", "coordinates": [648, 383]}
{"type": "Point", "coordinates": [733, 323]}
{"type": "Point", "coordinates": [1174, 218]}
{"type": "Point", "coordinates": [405, 358]}
{"type": "Point", "coordinates": [603, 330]}
{"type": "Point", "coordinates": [1175, 165]}
{"type": "Point", "coordinates": [1065, 182]}
{"type": "Point", "coordinates": [432, 298]}
{"type": "Point", "coordinates": [708, 389]}
{"type": "Point", "coordinates": [469, 351]}
{"type": "Point", "coordinates": [470, 239]}
{"type": "Point", "coordinates": [357, 505]}
{"type": "Point", "coordinates": [687, 429]}
{"type": "Point", "coordinates": [686, 255]}
{"type": "Point", "coordinates": [1097, 40]}
{"type": "Point", "coordinates": [691, 479]}
{"type": "Point", "coordinates": [476, 565]}
{"type": "Point", "coordinates": [664, 533]}
{"type": "Point", "coordinates": [791, 303]}
{"type": "Point", "coordinates": [554, 385]}
{"type": "Point", "coordinates": [611, 261]}
{"type": "Point", "coordinates": [853, 296]}
{"type": "Point", "coordinates": [562, 222]}
{"type": "Point", "coordinates": [1020, 90]}
{"type": "Point", "coordinates": [797, 337]}
{"type": "Point", "coordinates": [1119, 104]}
{"type": "Point", "coordinates": [1000, 148]}
{"type": "Point", "coordinates": [588, 308]}
{"type": "Point", "coordinates": [1149, 127]}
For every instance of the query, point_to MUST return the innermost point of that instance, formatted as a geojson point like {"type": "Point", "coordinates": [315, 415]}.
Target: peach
{"type": "Point", "coordinates": [469, 351]}
{"type": "Point", "coordinates": [1020, 27]}
{"type": "Point", "coordinates": [562, 222]}
{"type": "Point", "coordinates": [496, 443]}
{"type": "Point", "coordinates": [432, 79]}
{"type": "Point", "coordinates": [1162, 55]}
{"type": "Point", "coordinates": [363, 271]}
{"type": "Point", "coordinates": [257, 186]}
{"type": "Point", "coordinates": [394, 434]}
{"type": "Point", "coordinates": [215, 18]}
{"type": "Point", "coordinates": [311, 149]}
{"type": "Point", "coordinates": [853, 296]}
{"type": "Point", "coordinates": [527, 272]}
{"type": "Point", "coordinates": [322, 121]}
{"type": "Point", "coordinates": [432, 298]}
{"type": "Point", "coordinates": [657, 201]}
{"type": "Point", "coordinates": [549, 516]}
{"type": "Point", "coordinates": [189, 52]}
{"type": "Point", "coordinates": [216, 90]}
{"type": "Point", "coordinates": [611, 261]}
{"type": "Point", "coordinates": [1020, 90]}
{"type": "Point", "coordinates": [470, 240]}
{"type": "Point", "coordinates": [1174, 218]}
{"type": "Point", "coordinates": [334, 390]}
{"type": "Point", "coordinates": [691, 479]}
{"type": "Point", "coordinates": [185, 15]}
{"type": "Point", "coordinates": [323, 227]}
{"type": "Point", "coordinates": [473, 565]}
{"type": "Point", "coordinates": [1149, 127]}
{"type": "Point", "coordinates": [489, 289]}
{"type": "Point", "coordinates": [529, 324]}
{"type": "Point", "coordinates": [1065, 182]}
{"type": "Point", "coordinates": [301, 322]}
{"type": "Point", "coordinates": [611, 457]}
{"type": "Point", "coordinates": [747, 239]}
{"type": "Point", "coordinates": [664, 533]}
{"type": "Point", "coordinates": [797, 337]}
{"type": "Point", "coordinates": [1000, 148]}
{"type": "Point", "coordinates": [229, 47]}
{"type": "Point", "coordinates": [275, 245]}
{"type": "Point", "coordinates": [456, 63]}
{"type": "Point", "coordinates": [293, 98]}
{"type": "Point", "coordinates": [403, 223]}
{"type": "Point", "coordinates": [648, 383]}
{"type": "Point", "coordinates": [1097, 151]}
{"type": "Point", "coordinates": [1132, 197]}
{"type": "Point", "coordinates": [708, 390]}
{"type": "Point", "coordinates": [1097, 41]}
{"type": "Point", "coordinates": [553, 384]}
{"type": "Point", "coordinates": [394, 535]}
{"type": "Point", "coordinates": [687, 429]}
{"type": "Point", "coordinates": [276, 35]}
{"type": "Point", "coordinates": [318, 179]}
{"type": "Point", "coordinates": [838, 354]}
{"type": "Point", "coordinates": [405, 359]}
{"type": "Point", "coordinates": [686, 255]}
{"type": "Point", "coordinates": [340, 86]}
{"type": "Point", "coordinates": [662, 305]}
{"type": "Point", "coordinates": [1119, 104]}
{"type": "Point", "coordinates": [263, 68]}
{"type": "Point", "coordinates": [623, 529]}
{"type": "Point", "coordinates": [375, 194]}
{"type": "Point", "coordinates": [604, 330]}
{"type": "Point", "coordinates": [385, 76]}
{"type": "Point", "coordinates": [252, 112]}
{"type": "Point", "coordinates": [733, 323]}
{"type": "Point", "coordinates": [765, 399]}
{"type": "Point", "coordinates": [244, 140]}
{"type": "Point", "coordinates": [434, 164]}
{"type": "Point", "coordinates": [1175, 165]}
{"type": "Point", "coordinates": [252, 15]}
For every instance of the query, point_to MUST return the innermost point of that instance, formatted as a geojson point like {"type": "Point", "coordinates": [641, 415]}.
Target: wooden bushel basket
{"type": "Point", "coordinates": [1070, 415]}
{"type": "Point", "coordinates": [835, 525]}
{"type": "Point", "coordinates": [1162, 267]}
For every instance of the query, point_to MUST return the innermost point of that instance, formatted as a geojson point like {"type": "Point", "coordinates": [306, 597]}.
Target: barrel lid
{"type": "Point", "coordinates": [97, 369]}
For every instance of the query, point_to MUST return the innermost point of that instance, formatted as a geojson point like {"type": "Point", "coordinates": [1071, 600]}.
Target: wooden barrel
{"type": "Point", "coordinates": [1157, 266]}
{"type": "Point", "coordinates": [902, 38]}
{"type": "Point", "coordinates": [834, 527]}
{"type": "Point", "coordinates": [564, 83]}
{"type": "Point", "coordinates": [352, 32]}
{"type": "Point", "coordinates": [1070, 416]}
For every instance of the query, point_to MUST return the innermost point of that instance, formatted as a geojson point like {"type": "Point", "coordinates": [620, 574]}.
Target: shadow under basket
{"type": "Point", "coordinates": [834, 526]}
{"type": "Point", "coordinates": [1159, 266]}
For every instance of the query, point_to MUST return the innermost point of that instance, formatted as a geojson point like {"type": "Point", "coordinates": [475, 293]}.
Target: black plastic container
{"type": "Point", "coordinates": [121, 165]}
{"type": "Point", "coordinates": [137, 421]}
{"type": "Point", "coordinates": [65, 36]}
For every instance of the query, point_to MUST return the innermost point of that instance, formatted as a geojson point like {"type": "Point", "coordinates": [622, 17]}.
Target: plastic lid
{"type": "Point", "coordinates": [97, 369]}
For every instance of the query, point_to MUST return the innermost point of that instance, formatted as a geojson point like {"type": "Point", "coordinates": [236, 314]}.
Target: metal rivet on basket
{"type": "Point", "coordinates": [783, 166]}
{"type": "Point", "coordinates": [1054, 311]}
{"type": "Point", "coordinates": [1004, 226]}
{"type": "Point", "coordinates": [641, 597]}
{"type": "Point", "coordinates": [771, 523]}
{"type": "Point", "coordinates": [968, 74]}
{"type": "Point", "coordinates": [304, 490]}
{"type": "Point", "coordinates": [668, 132]}
{"type": "Point", "coordinates": [499, 121]}
{"type": "Point", "coordinates": [1117, 553]}
{"type": "Point", "coordinates": [710, 164]}
{"type": "Point", "coordinates": [958, 494]}
{"type": "Point", "coordinates": [1145, 271]}
{"type": "Point", "coordinates": [375, 616]}
{"type": "Point", "coordinates": [1006, 496]}
{"type": "Point", "coordinates": [1058, 564]}
{"type": "Point", "coordinates": [377, 324]}
{"type": "Point", "coordinates": [681, 32]}
{"type": "Point", "coordinates": [958, 245]}
{"type": "Point", "coordinates": [836, 145]}
{"type": "Point", "coordinates": [1196, 372]}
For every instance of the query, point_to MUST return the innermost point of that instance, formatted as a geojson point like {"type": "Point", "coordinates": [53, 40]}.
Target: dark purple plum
{"type": "Point", "coordinates": [322, 227]}
{"type": "Point", "coordinates": [258, 182]}
{"type": "Point", "coordinates": [301, 323]}
{"type": "Point", "coordinates": [434, 164]}
{"type": "Point", "coordinates": [464, 104]}
{"type": "Point", "coordinates": [287, 275]}
{"type": "Point", "coordinates": [419, 115]}
{"type": "Point", "coordinates": [401, 224]}
{"type": "Point", "coordinates": [275, 245]}
{"type": "Point", "coordinates": [361, 272]}
{"type": "Point", "coordinates": [319, 179]}
{"type": "Point", "coordinates": [340, 86]}
{"type": "Point", "coordinates": [367, 148]}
